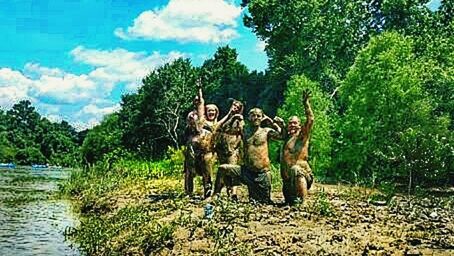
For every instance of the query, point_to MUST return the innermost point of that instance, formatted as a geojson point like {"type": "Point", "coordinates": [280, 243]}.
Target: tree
{"type": "Point", "coordinates": [23, 122]}
{"type": "Point", "coordinates": [321, 38]}
{"type": "Point", "coordinates": [224, 77]}
{"type": "Point", "coordinates": [101, 140]}
{"type": "Point", "coordinates": [389, 130]}
{"type": "Point", "coordinates": [154, 118]}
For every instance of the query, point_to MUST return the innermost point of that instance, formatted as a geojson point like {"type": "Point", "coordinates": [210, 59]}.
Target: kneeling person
{"type": "Point", "coordinates": [255, 172]}
{"type": "Point", "coordinates": [296, 173]}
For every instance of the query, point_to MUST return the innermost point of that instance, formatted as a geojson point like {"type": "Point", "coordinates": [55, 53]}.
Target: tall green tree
{"type": "Point", "coordinates": [389, 130]}
{"type": "Point", "coordinates": [101, 140]}
{"type": "Point", "coordinates": [154, 118]}
{"type": "Point", "coordinates": [321, 39]}
{"type": "Point", "coordinates": [224, 77]}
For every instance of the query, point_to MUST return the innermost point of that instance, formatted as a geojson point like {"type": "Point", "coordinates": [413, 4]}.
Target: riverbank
{"type": "Point", "coordinates": [124, 213]}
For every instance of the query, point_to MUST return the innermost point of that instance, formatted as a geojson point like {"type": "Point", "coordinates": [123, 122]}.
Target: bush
{"type": "Point", "coordinates": [389, 130]}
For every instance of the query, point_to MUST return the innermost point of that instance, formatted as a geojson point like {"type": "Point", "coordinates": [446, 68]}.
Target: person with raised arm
{"type": "Point", "coordinates": [296, 173]}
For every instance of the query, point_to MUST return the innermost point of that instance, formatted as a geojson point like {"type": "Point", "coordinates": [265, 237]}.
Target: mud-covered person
{"type": "Point", "coordinates": [199, 154]}
{"type": "Point", "coordinates": [255, 171]}
{"type": "Point", "coordinates": [229, 147]}
{"type": "Point", "coordinates": [296, 173]}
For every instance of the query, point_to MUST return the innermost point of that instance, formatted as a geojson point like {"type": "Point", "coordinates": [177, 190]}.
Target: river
{"type": "Point", "coordinates": [32, 218]}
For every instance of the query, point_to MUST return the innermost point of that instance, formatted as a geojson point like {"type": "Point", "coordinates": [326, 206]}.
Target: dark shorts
{"type": "Point", "coordinates": [289, 185]}
{"type": "Point", "coordinates": [200, 163]}
{"type": "Point", "coordinates": [258, 182]}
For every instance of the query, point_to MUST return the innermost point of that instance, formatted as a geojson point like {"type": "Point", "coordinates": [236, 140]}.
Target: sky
{"type": "Point", "coordinates": [73, 59]}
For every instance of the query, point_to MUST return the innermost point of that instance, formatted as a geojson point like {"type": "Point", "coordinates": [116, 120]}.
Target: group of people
{"type": "Point", "coordinates": [242, 151]}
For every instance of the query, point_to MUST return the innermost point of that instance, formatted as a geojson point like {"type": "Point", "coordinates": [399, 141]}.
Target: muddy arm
{"type": "Point", "coordinates": [309, 114]}
{"type": "Point", "coordinates": [200, 107]}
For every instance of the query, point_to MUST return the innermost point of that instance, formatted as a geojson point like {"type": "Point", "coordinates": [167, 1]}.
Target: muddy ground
{"type": "Point", "coordinates": [334, 220]}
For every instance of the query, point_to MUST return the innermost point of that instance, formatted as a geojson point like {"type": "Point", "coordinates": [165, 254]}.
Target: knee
{"type": "Point", "coordinates": [296, 169]}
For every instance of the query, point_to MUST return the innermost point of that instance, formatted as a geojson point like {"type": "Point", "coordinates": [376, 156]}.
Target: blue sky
{"type": "Point", "coordinates": [74, 58]}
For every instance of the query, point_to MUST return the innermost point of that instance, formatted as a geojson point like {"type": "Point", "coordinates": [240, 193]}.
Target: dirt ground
{"type": "Point", "coordinates": [334, 220]}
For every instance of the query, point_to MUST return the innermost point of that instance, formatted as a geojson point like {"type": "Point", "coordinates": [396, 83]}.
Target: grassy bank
{"type": "Point", "coordinates": [139, 208]}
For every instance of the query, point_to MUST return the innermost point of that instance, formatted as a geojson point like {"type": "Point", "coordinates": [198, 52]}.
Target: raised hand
{"type": "Point", "coordinates": [237, 116]}
{"type": "Point", "coordinates": [198, 84]}
{"type": "Point", "coordinates": [266, 120]}
{"type": "Point", "coordinates": [278, 121]}
{"type": "Point", "coordinates": [306, 95]}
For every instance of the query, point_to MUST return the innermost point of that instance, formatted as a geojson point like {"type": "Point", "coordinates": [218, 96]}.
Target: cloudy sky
{"type": "Point", "coordinates": [75, 58]}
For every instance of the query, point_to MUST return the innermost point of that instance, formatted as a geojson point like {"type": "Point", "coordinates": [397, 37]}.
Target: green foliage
{"type": "Point", "coordinates": [172, 165]}
{"type": "Point", "coordinates": [7, 150]}
{"type": "Point", "coordinates": [30, 155]}
{"type": "Point", "coordinates": [102, 139]}
{"type": "Point", "coordinates": [322, 38]}
{"type": "Point", "coordinates": [131, 230]}
{"type": "Point", "coordinates": [321, 138]}
{"type": "Point", "coordinates": [27, 138]}
{"type": "Point", "coordinates": [154, 117]}
{"type": "Point", "coordinates": [321, 205]}
{"type": "Point", "coordinates": [224, 77]}
{"type": "Point", "coordinates": [389, 129]}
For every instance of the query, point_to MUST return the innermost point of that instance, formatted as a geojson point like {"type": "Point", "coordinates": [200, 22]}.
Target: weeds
{"type": "Point", "coordinates": [321, 205]}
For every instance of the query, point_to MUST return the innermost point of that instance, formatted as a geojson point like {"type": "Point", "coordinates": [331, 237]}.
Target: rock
{"type": "Point", "coordinates": [378, 203]}
{"type": "Point", "coordinates": [413, 252]}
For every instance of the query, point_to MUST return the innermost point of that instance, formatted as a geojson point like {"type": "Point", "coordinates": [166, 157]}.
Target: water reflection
{"type": "Point", "coordinates": [32, 222]}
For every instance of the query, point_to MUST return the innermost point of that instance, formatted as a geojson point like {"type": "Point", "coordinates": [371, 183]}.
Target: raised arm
{"type": "Point", "coordinates": [226, 119]}
{"type": "Point", "coordinates": [276, 127]}
{"type": "Point", "coordinates": [309, 114]}
{"type": "Point", "coordinates": [200, 101]}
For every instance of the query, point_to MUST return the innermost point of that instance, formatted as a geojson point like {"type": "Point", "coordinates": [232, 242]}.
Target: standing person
{"type": "Point", "coordinates": [202, 126]}
{"type": "Point", "coordinates": [229, 146]}
{"type": "Point", "coordinates": [255, 171]}
{"type": "Point", "coordinates": [199, 155]}
{"type": "Point", "coordinates": [296, 173]}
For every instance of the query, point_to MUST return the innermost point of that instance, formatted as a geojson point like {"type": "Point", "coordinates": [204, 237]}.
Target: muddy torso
{"type": "Point", "coordinates": [256, 157]}
{"type": "Point", "coordinates": [295, 150]}
{"type": "Point", "coordinates": [201, 142]}
{"type": "Point", "coordinates": [229, 143]}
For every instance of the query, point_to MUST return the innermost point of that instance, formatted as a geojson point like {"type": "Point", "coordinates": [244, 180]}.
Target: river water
{"type": "Point", "coordinates": [32, 218]}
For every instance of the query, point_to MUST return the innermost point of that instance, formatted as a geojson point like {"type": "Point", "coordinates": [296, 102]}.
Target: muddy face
{"type": "Point", "coordinates": [192, 119]}
{"type": "Point", "coordinates": [255, 116]}
{"type": "Point", "coordinates": [236, 107]}
{"type": "Point", "coordinates": [211, 113]}
{"type": "Point", "coordinates": [294, 125]}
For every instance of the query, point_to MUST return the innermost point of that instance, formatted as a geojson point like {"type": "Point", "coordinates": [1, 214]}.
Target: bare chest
{"type": "Point", "coordinates": [257, 138]}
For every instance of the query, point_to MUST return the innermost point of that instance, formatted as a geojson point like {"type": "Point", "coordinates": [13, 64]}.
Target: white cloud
{"type": "Point", "coordinates": [95, 110]}
{"type": "Point", "coordinates": [260, 46]}
{"type": "Point", "coordinates": [13, 87]}
{"type": "Point", "coordinates": [120, 65]}
{"type": "Point", "coordinates": [35, 69]}
{"type": "Point", "coordinates": [79, 126]}
{"type": "Point", "coordinates": [84, 98]}
{"type": "Point", "coordinates": [54, 118]}
{"type": "Point", "coordinates": [206, 21]}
